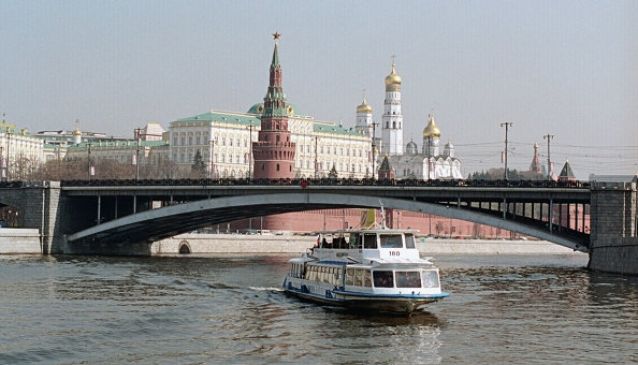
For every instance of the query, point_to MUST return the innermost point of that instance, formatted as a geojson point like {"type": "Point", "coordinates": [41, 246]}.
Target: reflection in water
{"type": "Point", "coordinates": [521, 309]}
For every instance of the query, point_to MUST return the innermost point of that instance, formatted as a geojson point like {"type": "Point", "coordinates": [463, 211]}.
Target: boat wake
{"type": "Point", "coordinates": [271, 289]}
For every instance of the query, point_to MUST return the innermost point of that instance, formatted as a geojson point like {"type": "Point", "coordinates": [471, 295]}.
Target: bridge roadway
{"type": "Point", "coordinates": [143, 212]}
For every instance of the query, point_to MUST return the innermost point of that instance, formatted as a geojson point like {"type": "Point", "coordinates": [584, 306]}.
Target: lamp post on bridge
{"type": "Point", "coordinates": [506, 125]}
{"type": "Point", "coordinates": [90, 169]}
{"type": "Point", "coordinates": [374, 147]}
{"type": "Point", "coordinates": [549, 137]}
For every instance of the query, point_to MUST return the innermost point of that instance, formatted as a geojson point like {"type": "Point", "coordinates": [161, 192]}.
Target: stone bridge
{"type": "Point", "coordinates": [106, 217]}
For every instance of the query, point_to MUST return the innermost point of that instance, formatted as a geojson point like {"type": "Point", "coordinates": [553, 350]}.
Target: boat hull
{"type": "Point", "coordinates": [368, 302]}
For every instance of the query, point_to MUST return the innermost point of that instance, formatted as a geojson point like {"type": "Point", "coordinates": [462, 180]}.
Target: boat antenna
{"type": "Point", "coordinates": [382, 215]}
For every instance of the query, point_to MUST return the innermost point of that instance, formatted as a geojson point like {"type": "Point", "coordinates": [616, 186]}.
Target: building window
{"type": "Point", "coordinates": [277, 167]}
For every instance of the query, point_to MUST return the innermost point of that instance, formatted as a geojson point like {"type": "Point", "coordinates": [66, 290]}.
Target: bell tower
{"type": "Point", "coordinates": [392, 120]}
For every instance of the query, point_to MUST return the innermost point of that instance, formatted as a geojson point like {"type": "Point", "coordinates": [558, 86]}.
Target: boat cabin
{"type": "Point", "coordinates": [380, 244]}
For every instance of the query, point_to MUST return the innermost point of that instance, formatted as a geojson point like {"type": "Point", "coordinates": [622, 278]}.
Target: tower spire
{"type": "Point", "coordinates": [275, 53]}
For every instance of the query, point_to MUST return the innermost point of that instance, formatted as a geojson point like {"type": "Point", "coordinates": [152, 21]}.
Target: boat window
{"type": "Point", "coordinates": [391, 241]}
{"type": "Point", "coordinates": [409, 241]}
{"type": "Point", "coordinates": [383, 279]}
{"type": "Point", "coordinates": [408, 279]}
{"type": "Point", "coordinates": [349, 276]}
{"type": "Point", "coordinates": [358, 277]}
{"type": "Point", "coordinates": [339, 242]}
{"type": "Point", "coordinates": [367, 278]}
{"type": "Point", "coordinates": [355, 241]}
{"type": "Point", "coordinates": [430, 279]}
{"type": "Point", "coordinates": [370, 240]}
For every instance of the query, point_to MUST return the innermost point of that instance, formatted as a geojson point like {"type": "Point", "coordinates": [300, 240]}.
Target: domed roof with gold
{"type": "Point", "coordinates": [364, 107]}
{"type": "Point", "coordinates": [393, 80]}
{"type": "Point", "coordinates": [431, 130]}
{"type": "Point", "coordinates": [77, 132]}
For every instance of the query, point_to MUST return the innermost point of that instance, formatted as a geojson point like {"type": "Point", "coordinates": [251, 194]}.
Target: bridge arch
{"type": "Point", "coordinates": [165, 222]}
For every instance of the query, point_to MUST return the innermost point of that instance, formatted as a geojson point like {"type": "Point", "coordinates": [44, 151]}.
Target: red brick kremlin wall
{"type": "Point", "coordinates": [334, 219]}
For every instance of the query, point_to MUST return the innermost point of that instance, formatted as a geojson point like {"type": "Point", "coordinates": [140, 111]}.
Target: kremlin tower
{"type": "Point", "coordinates": [274, 153]}
{"type": "Point", "coordinates": [392, 120]}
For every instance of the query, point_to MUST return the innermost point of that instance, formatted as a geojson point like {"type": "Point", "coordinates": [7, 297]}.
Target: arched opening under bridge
{"type": "Point", "coordinates": [169, 221]}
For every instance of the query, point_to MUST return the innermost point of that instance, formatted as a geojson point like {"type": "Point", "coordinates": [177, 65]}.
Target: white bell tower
{"type": "Point", "coordinates": [392, 120]}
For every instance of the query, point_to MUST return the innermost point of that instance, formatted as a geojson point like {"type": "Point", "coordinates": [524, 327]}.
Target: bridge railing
{"type": "Point", "coordinates": [327, 181]}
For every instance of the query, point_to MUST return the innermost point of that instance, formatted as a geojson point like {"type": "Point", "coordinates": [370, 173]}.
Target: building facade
{"type": "Point", "coordinates": [20, 152]}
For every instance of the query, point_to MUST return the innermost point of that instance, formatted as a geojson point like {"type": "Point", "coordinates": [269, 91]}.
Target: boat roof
{"type": "Point", "coordinates": [371, 230]}
{"type": "Point", "coordinates": [398, 260]}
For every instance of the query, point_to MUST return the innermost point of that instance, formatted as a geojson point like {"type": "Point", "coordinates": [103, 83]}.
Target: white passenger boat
{"type": "Point", "coordinates": [377, 269]}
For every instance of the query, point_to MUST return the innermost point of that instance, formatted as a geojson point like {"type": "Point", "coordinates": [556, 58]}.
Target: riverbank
{"type": "Point", "coordinates": [20, 241]}
{"type": "Point", "coordinates": [27, 241]}
{"type": "Point", "coordinates": [292, 244]}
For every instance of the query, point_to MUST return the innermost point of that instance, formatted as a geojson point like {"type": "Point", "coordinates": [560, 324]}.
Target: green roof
{"type": "Point", "coordinates": [322, 127]}
{"type": "Point", "coordinates": [253, 119]}
{"type": "Point", "coordinates": [220, 117]}
{"type": "Point", "coordinates": [119, 143]}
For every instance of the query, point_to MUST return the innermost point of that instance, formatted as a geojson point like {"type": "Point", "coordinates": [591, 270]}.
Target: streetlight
{"type": "Point", "coordinates": [250, 150]}
{"type": "Point", "coordinates": [374, 147]}
{"type": "Point", "coordinates": [58, 157]}
{"type": "Point", "coordinates": [3, 166]}
{"type": "Point", "coordinates": [88, 159]}
{"type": "Point", "coordinates": [549, 137]}
{"type": "Point", "coordinates": [137, 160]}
{"type": "Point", "coordinates": [506, 125]}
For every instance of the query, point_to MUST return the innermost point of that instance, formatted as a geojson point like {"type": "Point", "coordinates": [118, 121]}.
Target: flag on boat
{"type": "Point", "coordinates": [368, 218]}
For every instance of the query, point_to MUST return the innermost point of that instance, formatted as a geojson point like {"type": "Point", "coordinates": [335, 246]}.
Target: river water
{"type": "Point", "coordinates": [175, 310]}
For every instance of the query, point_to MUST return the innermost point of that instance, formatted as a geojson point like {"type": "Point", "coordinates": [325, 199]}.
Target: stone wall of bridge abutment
{"type": "Point", "coordinates": [614, 233]}
{"type": "Point", "coordinates": [40, 206]}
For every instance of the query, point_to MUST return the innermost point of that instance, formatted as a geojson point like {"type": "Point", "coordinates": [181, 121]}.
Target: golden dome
{"type": "Point", "coordinates": [364, 107]}
{"type": "Point", "coordinates": [431, 130]}
{"type": "Point", "coordinates": [393, 80]}
{"type": "Point", "coordinates": [77, 132]}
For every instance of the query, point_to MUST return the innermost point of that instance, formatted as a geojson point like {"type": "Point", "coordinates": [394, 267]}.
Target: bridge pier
{"type": "Point", "coordinates": [41, 206]}
{"type": "Point", "coordinates": [614, 227]}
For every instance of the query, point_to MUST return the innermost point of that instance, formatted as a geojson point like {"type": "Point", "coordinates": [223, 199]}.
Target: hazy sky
{"type": "Point", "coordinates": [559, 67]}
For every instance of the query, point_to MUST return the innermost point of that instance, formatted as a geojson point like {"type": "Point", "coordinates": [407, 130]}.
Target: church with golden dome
{"type": "Point", "coordinates": [431, 162]}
